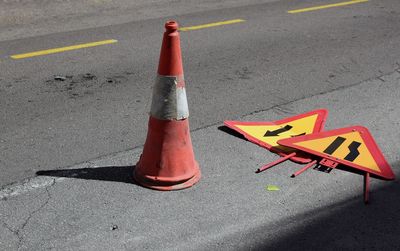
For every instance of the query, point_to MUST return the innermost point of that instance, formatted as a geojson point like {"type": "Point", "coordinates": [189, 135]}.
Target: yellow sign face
{"type": "Point", "coordinates": [270, 134]}
{"type": "Point", "coordinates": [349, 146]}
{"type": "Point", "coordinates": [267, 134]}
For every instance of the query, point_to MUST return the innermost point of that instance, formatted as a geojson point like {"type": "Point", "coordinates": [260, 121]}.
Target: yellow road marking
{"type": "Point", "coordinates": [326, 6]}
{"type": "Point", "coordinates": [197, 27]}
{"type": "Point", "coordinates": [62, 49]}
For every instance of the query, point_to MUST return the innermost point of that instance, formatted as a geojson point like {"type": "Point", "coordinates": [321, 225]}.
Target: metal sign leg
{"type": "Point", "coordinates": [276, 162]}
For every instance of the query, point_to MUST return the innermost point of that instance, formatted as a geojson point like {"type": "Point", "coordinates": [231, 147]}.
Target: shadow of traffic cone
{"type": "Point", "coordinates": [167, 161]}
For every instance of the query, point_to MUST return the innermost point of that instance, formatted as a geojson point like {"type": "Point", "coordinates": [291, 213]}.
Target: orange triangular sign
{"type": "Point", "coordinates": [352, 146]}
{"type": "Point", "coordinates": [267, 134]}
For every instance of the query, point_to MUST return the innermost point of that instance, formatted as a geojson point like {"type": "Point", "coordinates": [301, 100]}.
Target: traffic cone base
{"type": "Point", "coordinates": [157, 184]}
{"type": "Point", "coordinates": [167, 162]}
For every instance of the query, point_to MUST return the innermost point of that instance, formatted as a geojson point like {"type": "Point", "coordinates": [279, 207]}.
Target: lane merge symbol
{"type": "Point", "coordinates": [353, 147]}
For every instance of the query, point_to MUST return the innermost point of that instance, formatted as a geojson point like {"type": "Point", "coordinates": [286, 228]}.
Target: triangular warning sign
{"type": "Point", "coordinates": [267, 134]}
{"type": "Point", "coordinates": [351, 146]}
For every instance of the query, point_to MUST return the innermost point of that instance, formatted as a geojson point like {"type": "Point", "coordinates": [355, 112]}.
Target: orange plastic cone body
{"type": "Point", "coordinates": [167, 161]}
{"type": "Point", "coordinates": [170, 63]}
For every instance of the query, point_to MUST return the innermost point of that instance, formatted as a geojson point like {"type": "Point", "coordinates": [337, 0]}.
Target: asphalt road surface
{"type": "Point", "coordinates": [65, 108]}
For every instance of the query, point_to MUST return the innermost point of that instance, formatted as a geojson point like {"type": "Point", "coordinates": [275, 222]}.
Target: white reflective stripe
{"type": "Point", "coordinates": [169, 101]}
{"type": "Point", "coordinates": [182, 104]}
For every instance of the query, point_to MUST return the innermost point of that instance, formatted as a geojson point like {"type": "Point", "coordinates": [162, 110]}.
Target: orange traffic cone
{"type": "Point", "coordinates": [167, 161]}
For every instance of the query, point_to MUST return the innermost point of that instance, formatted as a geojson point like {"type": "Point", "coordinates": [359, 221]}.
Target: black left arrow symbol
{"type": "Point", "coordinates": [278, 131]}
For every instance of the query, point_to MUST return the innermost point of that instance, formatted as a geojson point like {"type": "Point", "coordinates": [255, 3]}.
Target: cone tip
{"type": "Point", "coordinates": [171, 26]}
